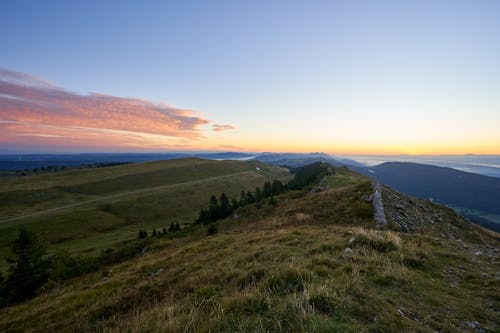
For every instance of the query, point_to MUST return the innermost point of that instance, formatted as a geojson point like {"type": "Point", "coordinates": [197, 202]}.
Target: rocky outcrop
{"type": "Point", "coordinates": [378, 206]}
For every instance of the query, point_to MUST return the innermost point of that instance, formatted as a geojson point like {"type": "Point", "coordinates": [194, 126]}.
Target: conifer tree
{"type": "Point", "coordinates": [225, 206]}
{"type": "Point", "coordinates": [213, 209]}
{"type": "Point", "coordinates": [243, 198]}
{"type": "Point", "coordinates": [29, 267]}
{"type": "Point", "coordinates": [142, 234]}
{"type": "Point", "coordinates": [258, 194]}
{"type": "Point", "coordinates": [234, 204]}
{"type": "Point", "coordinates": [250, 198]}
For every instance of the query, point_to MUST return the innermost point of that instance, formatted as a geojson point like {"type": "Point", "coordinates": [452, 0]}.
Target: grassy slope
{"type": "Point", "coordinates": [284, 269]}
{"type": "Point", "coordinates": [130, 197]}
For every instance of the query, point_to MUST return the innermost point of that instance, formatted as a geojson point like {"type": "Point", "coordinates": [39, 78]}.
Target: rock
{"type": "Point", "coordinates": [477, 252]}
{"type": "Point", "coordinates": [475, 326]}
{"type": "Point", "coordinates": [348, 250]}
{"type": "Point", "coordinates": [367, 198]}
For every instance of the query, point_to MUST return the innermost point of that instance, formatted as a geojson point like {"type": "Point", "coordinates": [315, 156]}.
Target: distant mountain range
{"type": "Point", "coordinates": [447, 185]}
{"type": "Point", "coordinates": [475, 196]}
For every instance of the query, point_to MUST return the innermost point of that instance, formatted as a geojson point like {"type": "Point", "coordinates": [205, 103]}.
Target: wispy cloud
{"type": "Point", "coordinates": [33, 107]}
{"type": "Point", "coordinates": [221, 128]}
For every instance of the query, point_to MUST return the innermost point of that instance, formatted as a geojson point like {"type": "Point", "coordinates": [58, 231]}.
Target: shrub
{"type": "Point", "coordinates": [211, 230]}
{"type": "Point", "coordinates": [362, 210]}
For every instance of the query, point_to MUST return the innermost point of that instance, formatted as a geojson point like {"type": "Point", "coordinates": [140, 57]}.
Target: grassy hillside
{"type": "Point", "coordinates": [88, 210]}
{"type": "Point", "coordinates": [284, 268]}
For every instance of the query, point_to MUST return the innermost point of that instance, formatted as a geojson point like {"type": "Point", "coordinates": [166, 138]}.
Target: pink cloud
{"type": "Point", "coordinates": [31, 107]}
{"type": "Point", "coordinates": [220, 128]}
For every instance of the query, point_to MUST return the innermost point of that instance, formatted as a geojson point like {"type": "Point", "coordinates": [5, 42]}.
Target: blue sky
{"type": "Point", "coordinates": [304, 75]}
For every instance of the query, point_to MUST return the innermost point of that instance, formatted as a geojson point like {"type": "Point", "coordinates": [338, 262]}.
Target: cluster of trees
{"type": "Point", "coordinates": [309, 174]}
{"type": "Point", "coordinates": [57, 168]}
{"type": "Point", "coordinates": [161, 232]}
{"type": "Point", "coordinates": [222, 207]}
{"type": "Point", "coordinates": [33, 269]}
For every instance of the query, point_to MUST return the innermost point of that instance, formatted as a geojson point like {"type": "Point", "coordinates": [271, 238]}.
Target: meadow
{"type": "Point", "coordinates": [85, 211]}
{"type": "Point", "coordinates": [284, 267]}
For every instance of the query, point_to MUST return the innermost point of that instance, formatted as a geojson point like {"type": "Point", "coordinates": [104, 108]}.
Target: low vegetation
{"type": "Point", "coordinates": [86, 211]}
{"type": "Point", "coordinates": [285, 267]}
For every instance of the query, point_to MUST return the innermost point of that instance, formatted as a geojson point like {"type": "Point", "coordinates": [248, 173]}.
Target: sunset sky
{"type": "Point", "coordinates": [343, 77]}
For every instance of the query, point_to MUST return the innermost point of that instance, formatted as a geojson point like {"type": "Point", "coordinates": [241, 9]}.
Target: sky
{"type": "Point", "coordinates": [342, 77]}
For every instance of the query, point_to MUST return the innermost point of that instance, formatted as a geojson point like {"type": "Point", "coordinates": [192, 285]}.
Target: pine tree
{"type": "Point", "coordinates": [29, 268]}
{"type": "Point", "coordinates": [267, 189]}
{"type": "Point", "coordinates": [277, 187]}
{"type": "Point", "coordinates": [213, 209]}
{"type": "Point", "coordinates": [258, 194]}
{"type": "Point", "coordinates": [250, 198]}
{"type": "Point", "coordinates": [164, 231]}
{"type": "Point", "coordinates": [177, 226]}
{"type": "Point", "coordinates": [243, 198]}
{"type": "Point", "coordinates": [171, 228]}
{"type": "Point", "coordinates": [142, 234]}
{"type": "Point", "coordinates": [154, 234]}
{"type": "Point", "coordinates": [234, 204]}
{"type": "Point", "coordinates": [202, 217]}
{"type": "Point", "coordinates": [225, 206]}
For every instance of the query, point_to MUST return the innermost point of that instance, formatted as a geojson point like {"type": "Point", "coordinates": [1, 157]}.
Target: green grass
{"type": "Point", "coordinates": [344, 177]}
{"type": "Point", "coordinates": [128, 198]}
{"type": "Point", "coordinates": [283, 269]}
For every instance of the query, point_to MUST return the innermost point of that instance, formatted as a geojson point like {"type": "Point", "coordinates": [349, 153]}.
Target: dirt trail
{"type": "Point", "coordinates": [113, 196]}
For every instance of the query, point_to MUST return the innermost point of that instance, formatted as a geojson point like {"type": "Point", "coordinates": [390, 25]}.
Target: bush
{"type": "Point", "coordinates": [126, 251]}
{"type": "Point", "coordinates": [362, 210]}
{"type": "Point", "coordinates": [63, 266]}
{"type": "Point", "coordinates": [211, 230]}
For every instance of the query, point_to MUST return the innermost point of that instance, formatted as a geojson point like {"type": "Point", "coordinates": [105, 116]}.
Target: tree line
{"type": "Point", "coordinates": [161, 232]}
{"type": "Point", "coordinates": [222, 207]}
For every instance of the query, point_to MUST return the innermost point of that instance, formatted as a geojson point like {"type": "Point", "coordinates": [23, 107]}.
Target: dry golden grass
{"type": "Point", "coordinates": [280, 269]}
